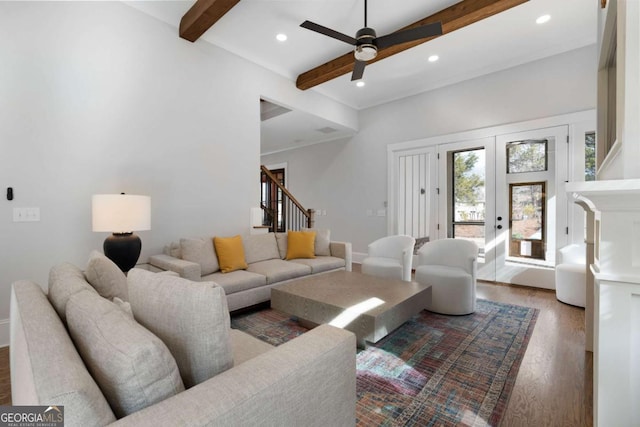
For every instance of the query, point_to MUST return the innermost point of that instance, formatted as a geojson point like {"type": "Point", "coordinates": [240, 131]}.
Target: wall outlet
{"type": "Point", "coordinates": [26, 214]}
{"type": "Point", "coordinates": [324, 212]}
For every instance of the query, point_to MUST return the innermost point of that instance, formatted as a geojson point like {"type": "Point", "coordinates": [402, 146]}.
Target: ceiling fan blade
{"type": "Point", "coordinates": [328, 32]}
{"type": "Point", "coordinates": [421, 32]}
{"type": "Point", "coordinates": [358, 70]}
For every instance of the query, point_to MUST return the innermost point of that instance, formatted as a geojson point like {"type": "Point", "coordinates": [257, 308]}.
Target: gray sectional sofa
{"type": "Point", "coordinates": [167, 357]}
{"type": "Point", "coordinates": [195, 259]}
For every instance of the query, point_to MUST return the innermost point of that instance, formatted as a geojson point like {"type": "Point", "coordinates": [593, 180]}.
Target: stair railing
{"type": "Point", "coordinates": [283, 212]}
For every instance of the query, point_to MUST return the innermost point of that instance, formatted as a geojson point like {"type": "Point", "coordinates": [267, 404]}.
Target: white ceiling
{"type": "Point", "coordinates": [502, 41]}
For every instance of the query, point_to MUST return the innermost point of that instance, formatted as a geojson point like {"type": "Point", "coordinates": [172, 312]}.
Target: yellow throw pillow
{"type": "Point", "coordinates": [230, 253]}
{"type": "Point", "coordinates": [301, 244]}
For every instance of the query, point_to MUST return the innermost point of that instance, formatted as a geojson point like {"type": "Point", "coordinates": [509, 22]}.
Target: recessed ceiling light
{"type": "Point", "coordinates": [360, 83]}
{"type": "Point", "coordinates": [543, 19]}
{"type": "Point", "coordinates": [281, 37]}
{"type": "Point", "coordinates": [433, 58]}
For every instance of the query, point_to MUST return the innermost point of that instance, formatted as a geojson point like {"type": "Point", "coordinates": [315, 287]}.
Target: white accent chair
{"type": "Point", "coordinates": [571, 275]}
{"type": "Point", "coordinates": [390, 257]}
{"type": "Point", "coordinates": [449, 266]}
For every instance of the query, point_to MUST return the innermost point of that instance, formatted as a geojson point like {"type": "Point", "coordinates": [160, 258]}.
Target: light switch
{"type": "Point", "coordinates": [369, 212]}
{"type": "Point", "coordinates": [382, 212]}
{"type": "Point", "coordinates": [26, 214]}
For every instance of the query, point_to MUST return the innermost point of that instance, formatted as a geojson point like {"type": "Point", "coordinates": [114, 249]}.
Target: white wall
{"type": "Point", "coordinates": [96, 97]}
{"type": "Point", "coordinates": [349, 177]}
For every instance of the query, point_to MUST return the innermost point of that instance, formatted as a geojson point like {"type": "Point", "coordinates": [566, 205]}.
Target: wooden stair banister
{"type": "Point", "coordinates": [294, 213]}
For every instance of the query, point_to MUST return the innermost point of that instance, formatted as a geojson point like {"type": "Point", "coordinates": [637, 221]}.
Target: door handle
{"type": "Point", "coordinates": [499, 227]}
{"type": "Point", "coordinates": [499, 218]}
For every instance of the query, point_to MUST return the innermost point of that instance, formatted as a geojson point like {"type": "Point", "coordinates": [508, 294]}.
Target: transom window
{"type": "Point", "coordinates": [527, 156]}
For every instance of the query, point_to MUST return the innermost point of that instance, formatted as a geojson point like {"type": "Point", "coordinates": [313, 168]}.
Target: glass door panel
{"type": "Point", "coordinates": [467, 182]}
{"type": "Point", "coordinates": [531, 206]}
{"type": "Point", "coordinates": [527, 220]}
{"type": "Point", "coordinates": [468, 200]}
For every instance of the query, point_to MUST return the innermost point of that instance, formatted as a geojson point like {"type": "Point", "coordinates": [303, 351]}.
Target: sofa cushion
{"type": "Point", "coordinates": [173, 250]}
{"type": "Point", "coordinates": [125, 306]}
{"type": "Point", "coordinates": [260, 247]}
{"type": "Point", "coordinates": [246, 347]}
{"type": "Point", "coordinates": [277, 270]}
{"type": "Point", "coordinates": [46, 365]}
{"type": "Point", "coordinates": [106, 277]}
{"type": "Point", "coordinates": [237, 281]}
{"type": "Point", "coordinates": [191, 318]}
{"type": "Point", "coordinates": [281, 239]}
{"type": "Point", "coordinates": [133, 368]}
{"type": "Point", "coordinates": [200, 251]}
{"type": "Point", "coordinates": [323, 240]}
{"type": "Point", "coordinates": [65, 280]}
{"type": "Point", "coordinates": [300, 244]}
{"type": "Point", "coordinates": [321, 263]}
{"type": "Point", "coordinates": [230, 253]}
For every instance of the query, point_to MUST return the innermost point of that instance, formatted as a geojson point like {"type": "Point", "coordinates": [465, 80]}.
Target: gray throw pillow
{"type": "Point", "coordinates": [172, 249]}
{"type": "Point", "coordinates": [191, 318]}
{"type": "Point", "coordinates": [132, 367]}
{"type": "Point", "coordinates": [106, 277]}
{"type": "Point", "coordinates": [323, 240]}
{"type": "Point", "coordinates": [260, 247]}
{"type": "Point", "coordinates": [200, 251]}
{"type": "Point", "coordinates": [65, 280]}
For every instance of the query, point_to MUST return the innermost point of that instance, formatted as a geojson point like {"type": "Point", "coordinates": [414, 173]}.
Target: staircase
{"type": "Point", "coordinates": [280, 210]}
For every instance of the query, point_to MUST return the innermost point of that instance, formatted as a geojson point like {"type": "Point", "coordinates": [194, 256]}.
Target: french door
{"type": "Point", "coordinates": [466, 188]}
{"type": "Point", "coordinates": [531, 205]}
{"type": "Point", "coordinates": [506, 193]}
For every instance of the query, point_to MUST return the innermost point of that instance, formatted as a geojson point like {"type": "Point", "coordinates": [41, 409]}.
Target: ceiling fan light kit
{"type": "Point", "coordinates": [367, 43]}
{"type": "Point", "coordinates": [365, 49]}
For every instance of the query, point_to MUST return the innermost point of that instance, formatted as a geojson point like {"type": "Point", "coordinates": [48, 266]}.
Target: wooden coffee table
{"type": "Point", "coordinates": [371, 307]}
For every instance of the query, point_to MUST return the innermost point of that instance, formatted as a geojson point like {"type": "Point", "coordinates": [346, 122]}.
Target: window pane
{"type": "Point", "coordinates": [527, 156]}
{"type": "Point", "coordinates": [468, 185]}
{"type": "Point", "coordinates": [526, 219]}
{"type": "Point", "coordinates": [526, 211]}
{"type": "Point", "coordinates": [590, 156]}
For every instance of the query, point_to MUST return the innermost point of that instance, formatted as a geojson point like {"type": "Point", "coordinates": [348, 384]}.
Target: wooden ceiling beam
{"type": "Point", "coordinates": [202, 15]}
{"type": "Point", "coordinates": [452, 18]}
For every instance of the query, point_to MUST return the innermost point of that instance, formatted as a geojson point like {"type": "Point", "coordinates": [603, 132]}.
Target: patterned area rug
{"type": "Point", "coordinates": [434, 370]}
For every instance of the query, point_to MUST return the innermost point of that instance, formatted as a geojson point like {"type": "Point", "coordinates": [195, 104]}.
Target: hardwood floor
{"type": "Point", "coordinates": [5, 377]}
{"type": "Point", "coordinates": [554, 385]}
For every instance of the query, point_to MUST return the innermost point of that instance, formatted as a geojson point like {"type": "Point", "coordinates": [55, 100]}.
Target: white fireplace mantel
{"type": "Point", "coordinates": [613, 228]}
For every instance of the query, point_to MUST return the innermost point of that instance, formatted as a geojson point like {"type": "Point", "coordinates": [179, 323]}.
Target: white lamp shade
{"type": "Point", "coordinates": [120, 213]}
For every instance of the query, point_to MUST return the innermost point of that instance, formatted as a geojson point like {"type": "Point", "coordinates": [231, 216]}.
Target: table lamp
{"type": "Point", "coordinates": [121, 214]}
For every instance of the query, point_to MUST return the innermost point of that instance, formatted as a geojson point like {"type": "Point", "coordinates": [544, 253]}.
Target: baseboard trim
{"type": "Point", "coordinates": [5, 332]}
{"type": "Point", "coordinates": [357, 257]}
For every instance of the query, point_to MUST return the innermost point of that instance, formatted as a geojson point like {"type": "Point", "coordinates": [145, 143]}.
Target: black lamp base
{"type": "Point", "coordinates": [123, 249]}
